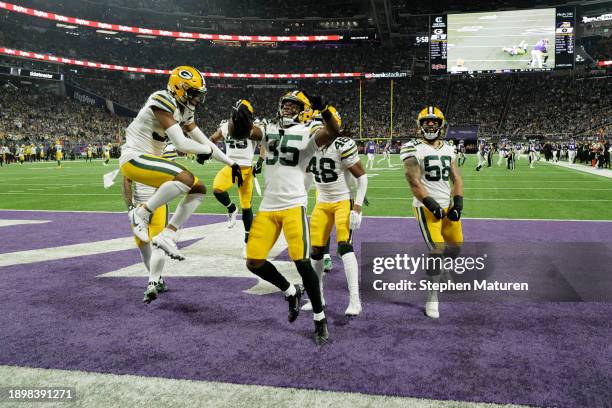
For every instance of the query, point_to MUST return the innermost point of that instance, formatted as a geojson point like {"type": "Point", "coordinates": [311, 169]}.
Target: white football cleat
{"type": "Point", "coordinates": [354, 307]}
{"type": "Point", "coordinates": [166, 241]}
{"type": "Point", "coordinates": [231, 218]}
{"type": "Point", "coordinates": [140, 225]}
{"type": "Point", "coordinates": [431, 305]}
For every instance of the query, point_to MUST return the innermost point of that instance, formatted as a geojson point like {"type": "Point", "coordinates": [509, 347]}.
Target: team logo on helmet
{"type": "Point", "coordinates": [185, 84]}
{"type": "Point", "coordinates": [304, 115]}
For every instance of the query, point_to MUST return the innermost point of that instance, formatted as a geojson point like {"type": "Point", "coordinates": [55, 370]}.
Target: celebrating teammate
{"type": "Point", "coordinates": [429, 167]}
{"type": "Point", "coordinates": [166, 115]}
{"type": "Point", "coordinates": [242, 151]}
{"type": "Point", "coordinates": [290, 141]}
{"type": "Point", "coordinates": [153, 258]}
{"type": "Point", "coordinates": [330, 167]}
{"type": "Point", "coordinates": [58, 153]}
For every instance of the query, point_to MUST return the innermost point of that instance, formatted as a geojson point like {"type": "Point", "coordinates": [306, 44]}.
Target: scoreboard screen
{"type": "Point", "coordinates": [502, 41]}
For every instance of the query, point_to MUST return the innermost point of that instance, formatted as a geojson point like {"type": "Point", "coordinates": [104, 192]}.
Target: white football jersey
{"type": "Point", "coordinates": [58, 148]}
{"type": "Point", "coordinates": [329, 166]}
{"type": "Point", "coordinates": [240, 151]}
{"type": "Point", "coordinates": [288, 152]}
{"type": "Point", "coordinates": [20, 151]}
{"type": "Point", "coordinates": [145, 135]}
{"type": "Point", "coordinates": [435, 165]}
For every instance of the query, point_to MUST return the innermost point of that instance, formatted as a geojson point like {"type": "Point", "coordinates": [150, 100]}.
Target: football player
{"type": "Point", "coordinates": [386, 154]}
{"type": "Point", "coordinates": [106, 153]}
{"type": "Point", "coordinates": [21, 154]}
{"type": "Point", "coordinates": [290, 141]}
{"type": "Point", "coordinates": [89, 154]}
{"type": "Point", "coordinates": [58, 153]}
{"type": "Point", "coordinates": [242, 151]}
{"type": "Point", "coordinates": [330, 166]}
{"type": "Point", "coordinates": [430, 167]}
{"type": "Point", "coordinates": [42, 152]}
{"type": "Point", "coordinates": [461, 153]}
{"type": "Point", "coordinates": [370, 151]}
{"type": "Point", "coordinates": [165, 116]}
{"type": "Point", "coordinates": [153, 258]}
{"type": "Point", "coordinates": [482, 154]}
{"type": "Point", "coordinates": [520, 49]}
{"type": "Point", "coordinates": [502, 151]}
{"type": "Point", "coordinates": [571, 150]}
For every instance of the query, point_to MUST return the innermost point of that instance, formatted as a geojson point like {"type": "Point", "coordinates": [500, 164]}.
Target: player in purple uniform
{"type": "Point", "coordinates": [571, 151]}
{"type": "Point", "coordinates": [461, 153]}
{"type": "Point", "coordinates": [370, 151]}
{"type": "Point", "coordinates": [539, 54]}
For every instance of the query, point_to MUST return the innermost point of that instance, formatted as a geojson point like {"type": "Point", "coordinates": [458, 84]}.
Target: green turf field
{"type": "Point", "coordinates": [479, 38]}
{"type": "Point", "coordinates": [546, 192]}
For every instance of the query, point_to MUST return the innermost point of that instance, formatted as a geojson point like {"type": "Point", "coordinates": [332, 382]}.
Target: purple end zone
{"type": "Point", "coordinates": [59, 315]}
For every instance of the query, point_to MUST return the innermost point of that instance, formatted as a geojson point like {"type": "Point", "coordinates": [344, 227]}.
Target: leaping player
{"type": "Point", "coordinates": [430, 167]}
{"type": "Point", "coordinates": [166, 115]}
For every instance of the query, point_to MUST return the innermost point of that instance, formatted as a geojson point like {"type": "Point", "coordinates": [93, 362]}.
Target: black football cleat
{"type": "Point", "coordinates": [321, 334]}
{"type": "Point", "coordinates": [294, 302]}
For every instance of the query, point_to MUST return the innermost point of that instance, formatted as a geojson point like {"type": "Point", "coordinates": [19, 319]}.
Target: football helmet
{"type": "Point", "coordinates": [304, 113]}
{"type": "Point", "coordinates": [185, 84]}
{"type": "Point", "coordinates": [428, 132]}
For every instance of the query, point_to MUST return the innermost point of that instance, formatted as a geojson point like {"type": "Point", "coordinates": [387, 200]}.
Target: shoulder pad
{"type": "Point", "coordinates": [163, 100]}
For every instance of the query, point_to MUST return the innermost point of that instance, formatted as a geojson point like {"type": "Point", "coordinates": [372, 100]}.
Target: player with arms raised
{"type": "Point", "coordinates": [242, 151]}
{"type": "Point", "coordinates": [430, 167]}
{"type": "Point", "coordinates": [330, 167]}
{"type": "Point", "coordinates": [290, 141]}
{"type": "Point", "coordinates": [166, 115]}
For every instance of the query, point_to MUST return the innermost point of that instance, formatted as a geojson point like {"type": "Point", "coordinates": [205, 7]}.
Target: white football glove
{"type": "Point", "coordinates": [354, 220]}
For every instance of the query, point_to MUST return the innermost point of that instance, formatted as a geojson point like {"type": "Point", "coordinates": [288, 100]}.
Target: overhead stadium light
{"type": "Point", "coordinates": [146, 36]}
{"type": "Point", "coordinates": [106, 32]}
{"type": "Point", "coordinates": [185, 39]}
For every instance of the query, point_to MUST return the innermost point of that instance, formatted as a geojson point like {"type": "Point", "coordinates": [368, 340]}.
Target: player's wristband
{"type": "Point", "coordinates": [431, 204]}
{"type": "Point", "coordinates": [458, 202]}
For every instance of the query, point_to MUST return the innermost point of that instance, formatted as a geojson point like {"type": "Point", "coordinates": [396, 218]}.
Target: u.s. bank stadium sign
{"type": "Point", "coordinates": [603, 17]}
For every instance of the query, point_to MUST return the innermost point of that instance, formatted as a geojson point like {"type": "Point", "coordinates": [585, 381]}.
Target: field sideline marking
{"type": "Point", "coordinates": [365, 216]}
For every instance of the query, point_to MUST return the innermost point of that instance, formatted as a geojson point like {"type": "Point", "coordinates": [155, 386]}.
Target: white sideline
{"type": "Point", "coordinates": [583, 168]}
{"type": "Point", "coordinates": [112, 390]}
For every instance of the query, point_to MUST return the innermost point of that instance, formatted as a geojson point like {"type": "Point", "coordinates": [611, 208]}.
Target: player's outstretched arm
{"type": "Point", "coordinates": [196, 134]}
{"type": "Point", "coordinates": [175, 134]}
{"type": "Point", "coordinates": [331, 129]}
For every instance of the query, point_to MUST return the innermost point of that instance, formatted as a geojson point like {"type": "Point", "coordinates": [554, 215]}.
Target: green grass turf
{"type": "Point", "coordinates": [547, 192]}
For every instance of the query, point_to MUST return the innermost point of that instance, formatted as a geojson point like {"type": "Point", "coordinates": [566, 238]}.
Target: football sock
{"type": "Point", "coordinates": [185, 208]}
{"type": "Point", "coordinates": [351, 269]}
{"type": "Point", "coordinates": [247, 219]}
{"type": "Point", "coordinates": [326, 247]}
{"type": "Point", "coordinates": [317, 265]}
{"type": "Point", "coordinates": [269, 273]}
{"type": "Point", "coordinates": [319, 316]}
{"type": "Point", "coordinates": [311, 284]}
{"type": "Point", "coordinates": [145, 254]}
{"type": "Point", "coordinates": [166, 193]}
{"type": "Point", "coordinates": [224, 199]}
{"type": "Point", "coordinates": [158, 259]}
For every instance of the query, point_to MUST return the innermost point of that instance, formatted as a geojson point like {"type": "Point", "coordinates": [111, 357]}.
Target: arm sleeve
{"type": "Point", "coordinates": [362, 188]}
{"type": "Point", "coordinates": [183, 144]}
{"type": "Point", "coordinates": [198, 135]}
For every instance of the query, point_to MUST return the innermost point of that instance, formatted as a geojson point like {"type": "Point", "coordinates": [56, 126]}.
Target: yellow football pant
{"type": "Point", "coordinates": [223, 182]}
{"type": "Point", "coordinates": [152, 170]}
{"type": "Point", "coordinates": [325, 216]}
{"type": "Point", "coordinates": [268, 225]}
{"type": "Point", "coordinates": [438, 232]}
{"type": "Point", "coordinates": [159, 221]}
